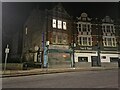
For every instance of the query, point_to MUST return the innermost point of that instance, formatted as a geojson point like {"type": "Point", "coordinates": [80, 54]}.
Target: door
{"type": "Point", "coordinates": [94, 60]}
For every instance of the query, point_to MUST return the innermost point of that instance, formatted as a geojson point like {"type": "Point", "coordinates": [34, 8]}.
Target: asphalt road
{"type": "Point", "coordinates": [84, 79]}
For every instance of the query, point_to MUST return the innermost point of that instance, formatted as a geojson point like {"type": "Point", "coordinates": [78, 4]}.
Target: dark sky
{"type": "Point", "coordinates": [15, 14]}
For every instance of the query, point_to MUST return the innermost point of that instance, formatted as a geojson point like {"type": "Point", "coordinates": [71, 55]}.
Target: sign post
{"type": "Point", "coordinates": [6, 56]}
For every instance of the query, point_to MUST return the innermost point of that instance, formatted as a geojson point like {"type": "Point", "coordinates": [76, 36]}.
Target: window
{"type": "Point", "coordinates": [88, 28]}
{"type": "Point", "coordinates": [103, 57]}
{"type": "Point", "coordinates": [65, 39]}
{"type": "Point", "coordinates": [59, 24]}
{"type": "Point", "coordinates": [105, 42]}
{"type": "Point", "coordinates": [80, 40]}
{"type": "Point", "coordinates": [114, 42]}
{"type": "Point", "coordinates": [85, 41]}
{"type": "Point", "coordinates": [89, 41]}
{"type": "Point", "coordinates": [59, 39]}
{"type": "Point", "coordinates": [79, 27]}
{"type": "Point", "coordinates": [103, 28]}
{"type": "Point", "coordinates": [112, 29]}
{"type": "Point", "coordinates": [109, 42]}
{"type": "Point", "coordinates": [108, 28]}
{"type": "Point", "coordinates": [84, 27]}
{"type": "Point", "coordinates": [54, 23]}
{"type": "Point", "coordinates": [54, 38]}
{"type": "Point", "coordinates": [84, 19]}
{"type": "Point", "coordinates": [64, 26]}
{"type": "Point", "coordinates": [82, 59]}
{"type": "Point", "coordinates": [114, 59]}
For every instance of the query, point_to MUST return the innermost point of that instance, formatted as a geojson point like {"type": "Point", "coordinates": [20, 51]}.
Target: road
{"type": "Point", "coordinates": [84, 79]}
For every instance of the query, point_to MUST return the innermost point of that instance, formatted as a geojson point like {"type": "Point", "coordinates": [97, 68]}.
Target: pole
{"type": "Point", "coordinates": [6, 56]}
{"type": "Point", "coordinates": [98, 45]}
{"type": "Point", "coordinates": [5, 61]}
{"type": "Point", "coordinates": [73, 56]}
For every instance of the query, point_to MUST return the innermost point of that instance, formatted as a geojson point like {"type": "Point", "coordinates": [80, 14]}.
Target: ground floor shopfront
{"type": "Point", "coordinates": [90, 58]}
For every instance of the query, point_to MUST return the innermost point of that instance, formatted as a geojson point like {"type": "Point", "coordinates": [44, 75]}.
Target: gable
{"type": "Point", "coordinates": [59, 9]}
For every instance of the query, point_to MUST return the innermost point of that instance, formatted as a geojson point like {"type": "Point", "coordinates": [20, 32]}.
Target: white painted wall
{"type": "Point", "coordinates": [84, 55]}
{"type": "Point", "coordinates": [108, 57]}
{"type": "Point", "coordinates": [92, 54]}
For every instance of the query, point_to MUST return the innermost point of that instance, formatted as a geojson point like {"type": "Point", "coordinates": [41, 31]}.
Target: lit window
{"type": "Point", "coordinates": [59, 24]}
{"type": "Point", "coordinates": [54, 23]}
{"type": "Point", "coordinates": [64, 26]}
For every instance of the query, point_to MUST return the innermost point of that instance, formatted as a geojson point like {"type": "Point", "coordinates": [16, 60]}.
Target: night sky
{"type": "Point", "coordinates": [14, 14]}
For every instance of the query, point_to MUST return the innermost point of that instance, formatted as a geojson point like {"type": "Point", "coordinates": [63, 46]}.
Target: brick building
{"type": "Point", "coordinates": [53, 26]}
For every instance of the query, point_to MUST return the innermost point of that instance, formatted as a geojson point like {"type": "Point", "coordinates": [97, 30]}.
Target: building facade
{"type": "Point", "coordinates": [96, 41]}
{"type": "Point", "coordinates": [50, 32]}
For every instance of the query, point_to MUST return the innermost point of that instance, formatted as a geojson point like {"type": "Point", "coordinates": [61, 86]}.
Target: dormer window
{"type": "Point", "coordinates": [83, 19]}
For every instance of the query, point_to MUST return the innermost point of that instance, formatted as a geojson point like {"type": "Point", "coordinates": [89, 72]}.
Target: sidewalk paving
{"type": "Point", "coordinates": [15, 73]}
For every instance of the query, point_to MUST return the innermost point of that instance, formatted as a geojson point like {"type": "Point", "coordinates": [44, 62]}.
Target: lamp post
{"type": "Point", "coordinates": [73, 56]}
{"type": "Point", "coordinates": [26, 38]}
{"type": "Point", "coordinates": [98, 43]}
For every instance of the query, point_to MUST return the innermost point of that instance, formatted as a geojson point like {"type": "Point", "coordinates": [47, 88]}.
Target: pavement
{"type": "Point", "coordinates": [38, 71]}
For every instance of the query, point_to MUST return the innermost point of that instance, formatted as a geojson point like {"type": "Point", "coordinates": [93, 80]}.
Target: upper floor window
{"type": "Point", "coordinates": [103, 28]}
{"type": "Point", "coordinates": [60, 39]}
{"type": "Point", "coordinates": [54, 38]}
{"type": "Point", "coordinates": [108, 28]}
{"type": "Point", "coordinates": [88, 28]}
{"type": "Point", "coordinates": [64, 26]}
{"type": "Point", "coordinates": [109, 42]}
{"type": "Point", "coordinates": [85, 41]}
{"type": "Point", "coordinates": [112, 29]}
{"type": "Point", "coordinates": [59, 24]}
{"type": "Point", "coordinates": [84, 28]}
{"type": "Point", "coordinates": [54, 23]}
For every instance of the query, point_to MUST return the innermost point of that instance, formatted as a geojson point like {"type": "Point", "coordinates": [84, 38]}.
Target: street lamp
{"type": "Point", "coordinates": [73, 56]}
{"type": "Point", "coordinates": [98, 44]}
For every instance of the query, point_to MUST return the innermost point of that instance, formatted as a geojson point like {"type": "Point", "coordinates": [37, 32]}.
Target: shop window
{"type": "Point", "coordinates": [103, 57]}
{"type": "Point", "coordinates": [82, 59]}
{"type": "Point", "coordinates": [113, 59]}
